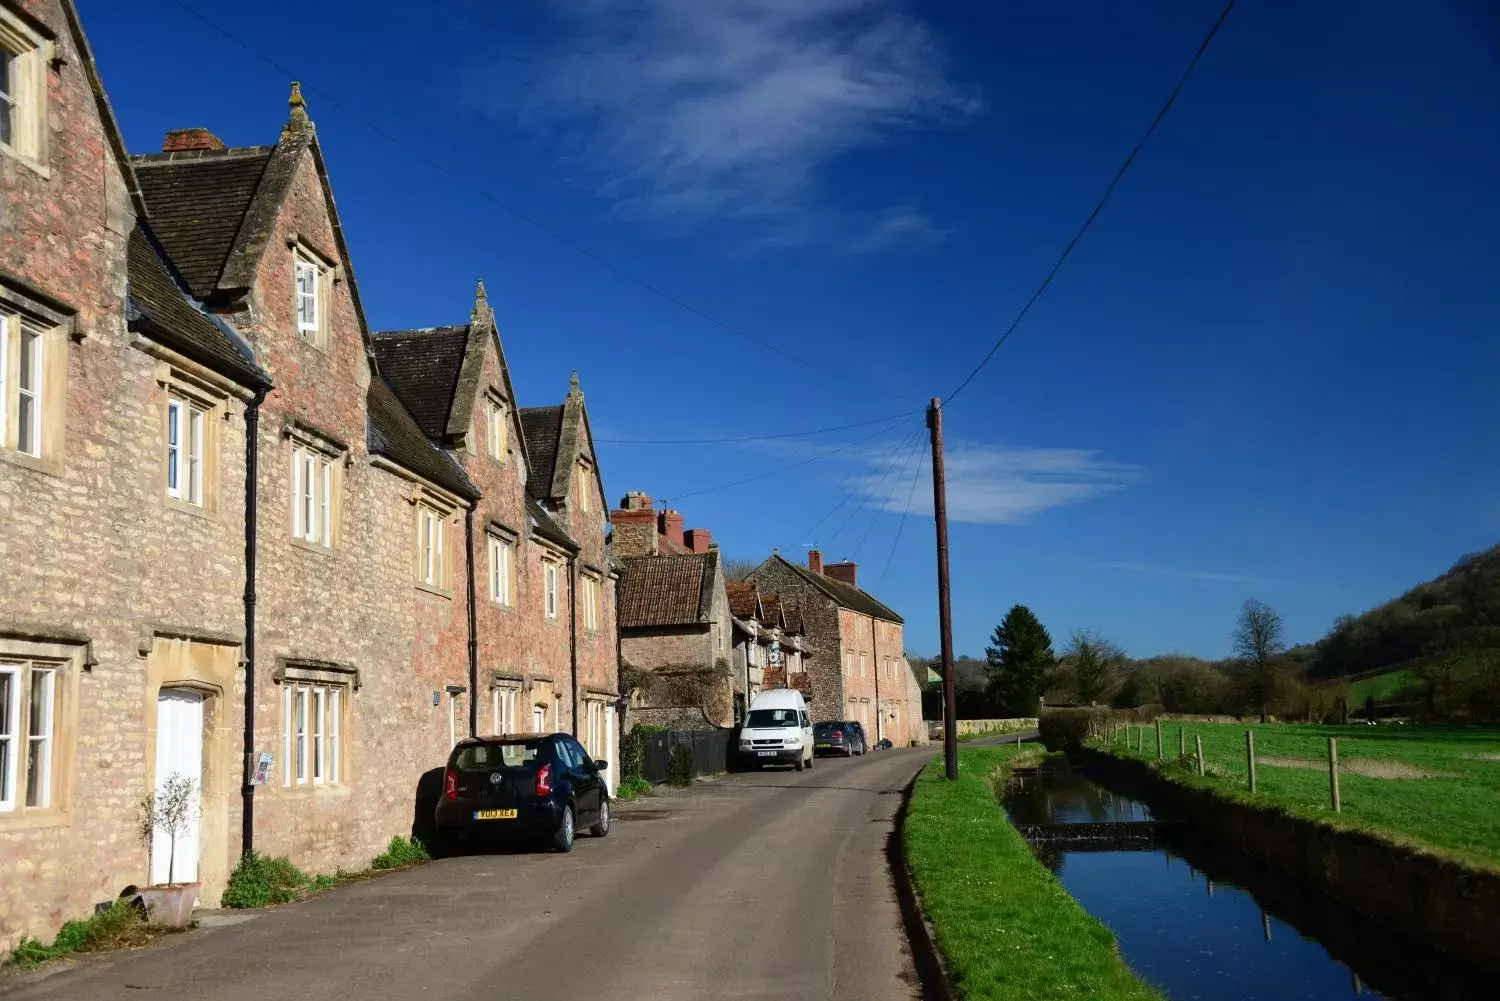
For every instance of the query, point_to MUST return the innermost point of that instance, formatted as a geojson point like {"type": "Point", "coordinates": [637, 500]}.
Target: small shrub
{"type": "Point", "coordinates": [30, 953]}
{"type": "Point", "coordinates": [680, 770]}
{"type": "Point", "coordinates": [119, 925]}
{"type": "Point", "coordinates": [633, 753]}
{"type": "Point", "coordinates": [1067, 729]}
{"type": "Point", "coordinates": [401, 852]}
{"type": "Point", "coordinates": [633, 788]}
{"type": "Point", "coordinates": [259, 881]}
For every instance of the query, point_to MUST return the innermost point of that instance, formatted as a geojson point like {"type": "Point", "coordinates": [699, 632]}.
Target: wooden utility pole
{"type": "Point", "coordinates": [945, 611]}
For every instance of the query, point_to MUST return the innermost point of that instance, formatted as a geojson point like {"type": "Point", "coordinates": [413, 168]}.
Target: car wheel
{"type": "Point", "coordinates": [444, 844]}
{"type": "Point", "coordinates": [798, 764]}
{"type": "Point", "coordinates": [848, 750]}
{"type": "Point", "coordinates": [562, 838]}
{"type": "Point", "coordinates": [601, 829]}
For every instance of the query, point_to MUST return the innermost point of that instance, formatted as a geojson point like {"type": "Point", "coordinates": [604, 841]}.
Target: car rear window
{"type": "Point", "coordinates": [825, 728]}
{"type": "Point", "coordinates": [515, 756]}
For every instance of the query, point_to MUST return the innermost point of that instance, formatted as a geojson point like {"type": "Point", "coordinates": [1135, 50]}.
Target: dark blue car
{"type": "Point", "coordinates": [542, 788]}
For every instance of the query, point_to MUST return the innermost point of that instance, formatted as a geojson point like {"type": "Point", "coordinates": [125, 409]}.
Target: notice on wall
{"type": "Point", "coordinates": [262, 769]}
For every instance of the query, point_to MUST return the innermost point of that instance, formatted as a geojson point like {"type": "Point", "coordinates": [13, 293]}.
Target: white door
{"type": "Point", "coordinates": [609, 747]}
{"type": "Point", "coordinates": [179, 750]}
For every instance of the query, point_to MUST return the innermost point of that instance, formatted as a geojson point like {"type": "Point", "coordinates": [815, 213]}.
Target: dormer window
{"type": "Point", "coordinates": [309, 299]}
{"type": "Point", "coordinates": [494, 428]}
{"type": "Point", "coordinates": [584, 493]}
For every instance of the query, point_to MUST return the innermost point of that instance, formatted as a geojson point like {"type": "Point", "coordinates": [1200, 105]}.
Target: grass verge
{"type": "Point", "coordinates": [1007, 929]}
{"type": "Point", "coordinates": [1432, 789]}
{"type": "Point", "coordinates": [119, 926]}
{"type": "Point", "coordinates": [633, 788]}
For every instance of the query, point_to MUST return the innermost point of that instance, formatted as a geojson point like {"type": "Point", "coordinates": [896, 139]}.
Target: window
{"type": "Point", "coordinates": [431, 547]}
{"type": "Point", "coordinates": [312, 734]}
{"type": "Point", "coordinates": [584, 493]}
{"type": "Point", "coordinates": [590, 603]}
{"type": "Point", "coordinates": [309, 300]}
{"type": "Point", "coordinates": [28, 696]}
{"type": "Point", "coordinates": [314, 479]}
{"type": "Point", "coordinates": [503, 709]}
{"type": "Point", "coordinates": [539, 719]}
{"type": "Point", "coordinates": [861, 664]}
{"type": "Point", "coordinates": [23, 372]}
{"type": "Point", "coordinates": [502, 558]}
{"type": "Point", "coordinates": [494, 429]}
{"type": "Point", "coordinates": [549, 587]}
{"type": "Point", "coordinates": [23, 90]}
{"type": "Point", "coordinates": [848, 664]}
{"type": "Point", "coordinates": [185, 441]}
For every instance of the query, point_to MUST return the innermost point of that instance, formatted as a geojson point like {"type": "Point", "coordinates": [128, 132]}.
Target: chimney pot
{"type": "Point", "coordinates": [815, 561]}
{"type": "Point", "coordinates": [187, 140]}
{"type": "Point", "coordinates": [670, 525]}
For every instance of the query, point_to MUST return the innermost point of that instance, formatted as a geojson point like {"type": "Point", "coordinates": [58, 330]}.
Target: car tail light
{"type": "Point", "coordinates": [450, 784]}
{"type": "Point", "coordinates": [544, 781]}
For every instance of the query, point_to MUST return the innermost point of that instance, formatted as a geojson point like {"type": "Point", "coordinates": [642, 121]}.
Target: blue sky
{"type": "Point", "coordinates": [1268, 370]}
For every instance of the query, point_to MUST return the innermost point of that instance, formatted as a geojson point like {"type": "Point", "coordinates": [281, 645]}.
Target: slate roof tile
{"type": "Point", "coordinates": [393, 433]}
{"type": "Point", "coordinates": [543, 429]}
{"type": "Point", "coordinates": [423, 367]}
{"type": "Point", "coordinates": [847, 595]}
{"type": "Point", "coordinates": [667, 590]}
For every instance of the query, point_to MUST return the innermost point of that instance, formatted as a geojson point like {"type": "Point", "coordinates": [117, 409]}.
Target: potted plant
{"type": "Point", "coordinates": [171, 810]}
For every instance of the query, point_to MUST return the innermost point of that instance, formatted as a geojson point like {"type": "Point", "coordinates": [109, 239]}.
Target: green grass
{"type": "Point", "coordinates": [1382, 686]}
{"type": "Point", "coordinates": [633, 788]}
{"type": "Point", "coordinates": [118, 926]}
{"type": "Point", "coordinates": [1456, 815]}
{"type": "Point", "coordinates": [1007, 929]}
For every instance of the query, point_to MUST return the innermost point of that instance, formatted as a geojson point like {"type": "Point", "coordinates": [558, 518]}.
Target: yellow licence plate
{"type": "Point", "coordinates": [494, 815]}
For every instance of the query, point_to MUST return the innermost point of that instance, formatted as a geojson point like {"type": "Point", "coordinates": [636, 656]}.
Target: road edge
{"type": "Point", "coordinates": [932, 973]}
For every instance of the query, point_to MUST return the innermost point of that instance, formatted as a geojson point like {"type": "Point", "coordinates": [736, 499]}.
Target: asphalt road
{"type": "Point", "coordinates": [765, 885]}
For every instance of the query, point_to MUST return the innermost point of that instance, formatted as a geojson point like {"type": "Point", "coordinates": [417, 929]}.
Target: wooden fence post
{"type": "Point", "coordinates": [1198, 739]}
{"type": "Point", "coordinates": [1250, 756]}
{"type": "Point", "coordinates": [1158, 738]}
{"type": "Point", "coordinates": [1333, 773]}
{"type": "Point", "coordinates": [1181, 741]}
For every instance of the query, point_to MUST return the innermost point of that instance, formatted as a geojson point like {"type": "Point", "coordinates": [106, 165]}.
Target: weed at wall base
{"type": "Point", "coordinates": [401, 852]}
{"type": "Point", "coordinates": [118, 926]}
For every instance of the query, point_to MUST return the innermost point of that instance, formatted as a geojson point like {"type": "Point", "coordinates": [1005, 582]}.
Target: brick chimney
{"type": "Point", "coordinates": [847, 571]}
{"type": "Point", "coordinates": [669, 523]}
{"type": "Point", "coordinates": [634, 524]}
{"type": "Point", "coordinates": [187, 140]}
{"type": "Point", "coordinates": [815, 560]}
{"type": "Point", "coordinates": [697, 539]}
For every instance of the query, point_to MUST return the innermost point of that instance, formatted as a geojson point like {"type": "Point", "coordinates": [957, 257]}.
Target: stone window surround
{"type": "Point", "coordinates": [505, 701]}
{"type": "Point", "coordinates": [329, 274]}
{"type": "Point", "coordinates": [496, 413]}
{"type": "Point", "coordinates": [19, 311]}
{"type": "Point", "coordinates": [32, 49]}
{"type": "Point", "coordinates": [291, 674]}
{"type": "Point", "coordinates": [307, 439]}
{"type": "Point", "coordinates": [182, 386]}
{"type": "Point", "coordinates": [68, 658]}
{"type": "Point", "coordinates": [444, 508]}
{"type": "Point", "coordinates": [497, 535]}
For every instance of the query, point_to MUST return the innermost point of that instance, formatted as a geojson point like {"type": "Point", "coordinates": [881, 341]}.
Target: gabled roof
{"type": "Point", "coordinates": [218, 208]}
{"type": "Point", "coordinates": [555, 436]}
{"type": "Point", "coordinates": [744, 601]}
{"type": "Point", "coordinates": [159, 308]}
{"type": "Point", "coordinates": [542, 428]}
{"type": "Point", "coordinates": [667, 590]}
{"type": "Point", "coordinates": [544, 526]}
{"type": "Point", "coordinates": [422, 366]}
{"type": "Point", "coordinates": [845, 595]}
{"type": "Point", "coordinates": [392, 432]}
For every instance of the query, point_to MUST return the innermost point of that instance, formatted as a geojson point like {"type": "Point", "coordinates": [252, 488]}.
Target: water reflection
{"type": "Point", "coordinates": [1186, 921]}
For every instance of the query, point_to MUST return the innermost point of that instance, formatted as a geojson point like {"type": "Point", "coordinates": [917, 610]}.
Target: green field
{"type": "Point", "coordinates": [1007, 929]}
{"type": "Point", "coordinates": [1436, 788]}
{"type": "Point", "coordinates": [1382, 686]}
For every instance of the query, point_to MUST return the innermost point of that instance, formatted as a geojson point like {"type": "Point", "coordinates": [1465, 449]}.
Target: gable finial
{"type": "Point", "coordinates": [479, 293]}
{"type": "Point", "coordinates": [573, 389]}
{"type": "Point", "coordinates": [298, 120]}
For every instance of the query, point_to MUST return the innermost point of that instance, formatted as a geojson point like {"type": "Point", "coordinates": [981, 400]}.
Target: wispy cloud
{"type": "Point", "coordinates": [1147, 568]}
{"type": "Point", "coordinates": [691, 110]}
{"type": "Point", "coordinates": [994, 485]}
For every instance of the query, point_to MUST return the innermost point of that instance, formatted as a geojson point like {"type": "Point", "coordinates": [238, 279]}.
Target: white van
{"type": "Point", "coordinates": [778, 729]}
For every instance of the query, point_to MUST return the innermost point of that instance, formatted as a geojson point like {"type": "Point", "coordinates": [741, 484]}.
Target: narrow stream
{"type": "Point", "coordinates": [1200, 924]}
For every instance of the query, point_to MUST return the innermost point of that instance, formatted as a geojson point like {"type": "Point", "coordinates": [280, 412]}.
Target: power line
{"type": "Point", "coordinates": [854, 491]}
{"type": "Point", "coordinates": [752, 437]}
{"type": "Point", "coordinates": [1099, 207]}
{"type": "Point", "coordinates": [894, 474]}
{"type": "Point", "coordinates": [895, 482]}
{"type": "Point", "coordinates": [897, 540]}
{"type": "Point", "coordinates": [780, 469]}
{"type": "Point", "coordinates": [528, 220]}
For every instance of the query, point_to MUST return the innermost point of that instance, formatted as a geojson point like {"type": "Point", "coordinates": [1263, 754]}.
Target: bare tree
{"type": "Point", "coordinates": [1095, 663]}
{"type": "Point", "coordinates": [1258, 642]}
{"type": "Point", "coordinates": [737, 569]}
{"type": "Point", "coordinates": [172, 809]}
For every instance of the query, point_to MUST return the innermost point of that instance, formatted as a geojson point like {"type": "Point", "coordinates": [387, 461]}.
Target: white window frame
{"type": "Point", "coordinates": [848, 663]}
{"type": "Point", "coordinates": [502, 570]}
{"type": "Point", "coordinates": [307, 271]}
{"type": "Point", "coordinates": [539, 719]}
{"type": "Point", "coordinates": [186, 426]}
{"type": "Point", "coordinates": [25, 90]}
{"type": "Point", "coordinates": [549, 587]}
{"type": "Point", "coordinates": [23, 385]}
{"type": "Point", "coordinates": [314, 482]}
{"type": "Point", "coordinates": [432, 536]}
{"type": "Point", "coordinates": [584, 493]}
{"type": "Point", "coordinates": [24, 742]}
{"type": "Point", "coordinates": [503, 699]}
{"type": "Point", "coordinates": [12, 734]}
{"type": "Point", "coordinates": [861, 663]}
{"type": "Point", "coordinates": [590, 602]}
{"type": "Point", "coordinates": [494, 431]}
{"type": "Point", "coordinates": [311, 734]}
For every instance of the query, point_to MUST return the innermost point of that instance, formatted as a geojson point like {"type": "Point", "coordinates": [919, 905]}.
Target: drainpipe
{"type": "Point", "coordinates": [252, 492]}
{"type": "Point", "coordinates": [875, 653]}
{"type": "Point", "coordinates": [573, 633]}
{"type": "Point", "coordinates": [473, 626]}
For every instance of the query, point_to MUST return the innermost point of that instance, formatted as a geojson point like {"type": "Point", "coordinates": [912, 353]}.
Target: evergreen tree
{"type": "Point", "coordinates": [1020, 658]}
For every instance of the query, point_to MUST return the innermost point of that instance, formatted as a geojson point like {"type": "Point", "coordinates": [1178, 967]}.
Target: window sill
{"type": "Point", "coordinates": [318, 341]}
{"type": "Point", "coordinates": [188, 507]}
{"type": "Point", "coordinates": [501, 606]}
{"type": "Point", "coordinates": [32, 818]}
{"type": "Point", "coordinates": [336, 790]}
{"type": "Point", "coordinates": [434, 589]}
{"type": "Point", "coordinates": [35, 166]}
{"type": "Point", "coordinates": [312, 547]}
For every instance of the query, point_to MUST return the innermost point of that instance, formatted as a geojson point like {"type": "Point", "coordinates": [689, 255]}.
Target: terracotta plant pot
{"type": "Point", "coordinates": [169, 906]}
